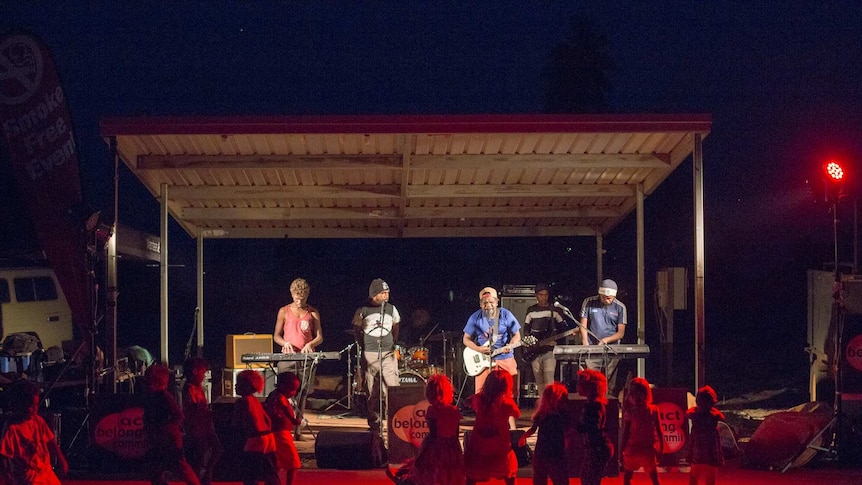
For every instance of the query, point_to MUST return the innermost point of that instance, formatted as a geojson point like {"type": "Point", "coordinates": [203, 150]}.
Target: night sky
{"type": "Point", "coordinates": [780, 79]}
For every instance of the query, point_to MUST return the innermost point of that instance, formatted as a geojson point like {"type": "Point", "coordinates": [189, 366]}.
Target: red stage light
{"type": "Point", "coordinates": [834, 171]}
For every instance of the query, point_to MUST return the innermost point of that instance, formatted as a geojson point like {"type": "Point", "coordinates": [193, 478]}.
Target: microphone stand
{"type": "Point", "coordinates": [425, 337]}
{"type": "Point", "coordinates": [349, 394]}
{"type": "Point", "coordinates": [445, 352]}
{"type": "Point", "coordinates": [426, 366]}
{"type": "Point", "coordinates": [380, 333]}
{"type": "Point", "coordinates": [606, 347]}
{"type": "Point", "coordinates": [188, 352]}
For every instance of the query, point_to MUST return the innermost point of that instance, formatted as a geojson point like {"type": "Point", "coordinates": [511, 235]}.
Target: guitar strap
{"type": "Point", "coordinates": [495, 334]}
{"type": "Point", "coordinates": [495, 331]}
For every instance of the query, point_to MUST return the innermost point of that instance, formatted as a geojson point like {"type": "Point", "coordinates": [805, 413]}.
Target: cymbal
{"type": "Point", "coordinates": [439, 336]}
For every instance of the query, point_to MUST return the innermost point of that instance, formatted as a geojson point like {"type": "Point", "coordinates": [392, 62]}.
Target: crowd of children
{"type": "Point", "coordinates": [184, 442]}
{"type": "Point", "coordinates": [183, 439]}
{"type": "Point", "coordinates": [488, 450]}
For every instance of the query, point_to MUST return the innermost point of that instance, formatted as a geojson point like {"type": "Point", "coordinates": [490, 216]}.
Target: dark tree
{"type": "Point", "coordinates": [579, 70]}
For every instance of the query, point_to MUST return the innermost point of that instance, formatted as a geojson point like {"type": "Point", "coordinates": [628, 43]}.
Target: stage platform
{"type": "Point", "coordinates": [818, 472]}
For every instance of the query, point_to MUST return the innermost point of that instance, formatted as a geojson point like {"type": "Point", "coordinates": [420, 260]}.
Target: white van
{"type": "Point", "coordinates": [31, 300]}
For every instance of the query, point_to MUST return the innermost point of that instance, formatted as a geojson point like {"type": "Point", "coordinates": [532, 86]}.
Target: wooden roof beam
{"type": "Point", "coordinates": [285, 192]}
{"type": "Point", "coordinates": [264, 162]}
{"type": "Point", "coordinates": [520, 162]}
{"type": "Point", "coordinates": [309, 213]}
{"type": "Point", "coordinates": [519, 190]}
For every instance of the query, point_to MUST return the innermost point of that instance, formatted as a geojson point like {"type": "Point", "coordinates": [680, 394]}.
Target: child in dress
{"type": "Point", "coordinates": [489, 452]}
{"type": "Point", "coordinates": [284, 421]}
{"type": "Point", "coordinates": [202, 444]}
{"type": "Point", "coordinates": [28, 444]}
{"type": "Point", "coordinates": [550, 419]}
{"type": "Point", "coordinates": [163, 425]}
{"type": "Point", "coordinates": [641, 442]}
{"type": "Point", "coordinates": [440, 460]}
{"type": "Point", "coordinates": [704, 442]}
{"type": "Point", "coordinates": [597, 447]}
{"type": "Point", "coordinates": [258, 460]}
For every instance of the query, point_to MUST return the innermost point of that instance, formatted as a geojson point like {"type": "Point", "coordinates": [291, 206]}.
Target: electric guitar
{"type": "Point", "coordinates": [476, 362]}
{"type": "Point", "coordinates": [532, 351]}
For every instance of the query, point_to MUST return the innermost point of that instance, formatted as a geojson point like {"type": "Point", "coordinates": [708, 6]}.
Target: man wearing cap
{"type": "Point", "coordinates": [375, 328]}
{"type": "Point", "coordinates": [605, 316]}
{"type": "Point", "coordinates": [543, 320]}
{"type": "Point", "coordinates": [491, 328]}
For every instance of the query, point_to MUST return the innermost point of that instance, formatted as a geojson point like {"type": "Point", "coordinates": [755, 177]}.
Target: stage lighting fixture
{"type": "Point", "coordinates": [834, 176]}
{"type": "Point", "coordinates": [834, 171]}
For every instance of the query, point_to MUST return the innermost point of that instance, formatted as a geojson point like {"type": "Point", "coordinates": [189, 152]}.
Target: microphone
{"type": "Point", "coordinates": [562, 307]}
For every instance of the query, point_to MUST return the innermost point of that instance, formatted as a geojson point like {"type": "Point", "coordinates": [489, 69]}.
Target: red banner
{"type": "Point", "coordinates": [122, 433]}
{"type": "Point", "coordinates": [37, 134]}
{"type": "Point", "coordinates": [672, 405]}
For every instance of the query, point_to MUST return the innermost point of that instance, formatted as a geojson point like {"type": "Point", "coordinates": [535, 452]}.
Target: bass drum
{"type": "Point", "coordinates": [410, 377]}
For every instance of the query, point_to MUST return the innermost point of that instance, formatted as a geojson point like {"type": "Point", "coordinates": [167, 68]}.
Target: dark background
{"type": "Point", "coordinates": [780, 79]}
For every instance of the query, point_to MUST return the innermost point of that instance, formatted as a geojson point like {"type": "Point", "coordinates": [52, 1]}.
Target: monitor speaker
{"type": "Point", "coordinates": [349, 450]}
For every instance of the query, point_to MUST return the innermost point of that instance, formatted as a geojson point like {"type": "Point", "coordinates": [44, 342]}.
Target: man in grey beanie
{"type": "Point", "coordinates": [605, 316]}
{"type": "Point", "coordinates": [375, 328]}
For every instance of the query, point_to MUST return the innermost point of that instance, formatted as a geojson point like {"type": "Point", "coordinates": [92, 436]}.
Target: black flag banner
{"type": "Point", "coordinates": [37, 135]}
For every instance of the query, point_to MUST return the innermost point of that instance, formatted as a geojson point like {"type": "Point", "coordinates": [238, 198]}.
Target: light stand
{"type": "Point", "coordinates": [838, 316]}
{"type": "Point", "coordinates": [835, 424]}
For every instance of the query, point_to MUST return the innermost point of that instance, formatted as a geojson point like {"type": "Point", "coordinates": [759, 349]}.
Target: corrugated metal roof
{"type": "Point", "coordinates": [403, 176]}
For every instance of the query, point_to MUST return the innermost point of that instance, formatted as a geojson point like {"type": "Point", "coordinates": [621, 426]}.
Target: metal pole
{"type": "Point", "coordinates": [163, 273]}
{"type": "Point", "coordinates": [112, 293]}
{"type": "Point", "coordinates": [600, 253]}
{"type": "Point", "coordinates": [641, 316]}
{"type": "Point", "coordinates": [200, 296]}
{"type": "Point", "coordinates": [699, 312]}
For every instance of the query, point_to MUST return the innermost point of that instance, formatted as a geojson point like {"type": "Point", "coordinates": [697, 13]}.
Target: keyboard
{"type": "Point", "coordinates": [620, 351]}
{"type": "Point", "coordinates": [296, 356]}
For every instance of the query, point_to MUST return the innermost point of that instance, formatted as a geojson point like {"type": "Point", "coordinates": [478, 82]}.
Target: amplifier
{"type": "Point", "coordinates": [236, 345]}
{"type": "Point", "coordinates": [519, 290]}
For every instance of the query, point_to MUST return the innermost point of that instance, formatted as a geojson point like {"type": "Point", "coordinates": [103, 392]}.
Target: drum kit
{"type": "Point", "coordinates": [415, 364]}
{"type": "Point", "coordinates": [436, 354]}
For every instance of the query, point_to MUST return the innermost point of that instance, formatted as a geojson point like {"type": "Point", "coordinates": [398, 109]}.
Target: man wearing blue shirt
{"type": "Point", "coordinates": [495, 325]}
{"type": "Point", "coordinates": [605, 316]}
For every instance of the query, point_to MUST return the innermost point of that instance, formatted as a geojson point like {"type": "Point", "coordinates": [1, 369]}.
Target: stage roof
{"type": "Point", "coordinates": [403, 176]}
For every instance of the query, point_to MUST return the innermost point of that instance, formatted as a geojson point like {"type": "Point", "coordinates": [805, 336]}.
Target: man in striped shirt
{"type": "Point", "coordinates": [542, 321]}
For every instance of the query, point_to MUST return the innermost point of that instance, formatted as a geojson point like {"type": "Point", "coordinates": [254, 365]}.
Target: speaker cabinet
{"type": "Point", "coordinates": [236, 345]}
{"type": "Point", "coordinates": [349, 450]}
{"type": "Point", "coordinates": [518, 306]}
{"type": "Point", "coordinates": [407, 425]}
